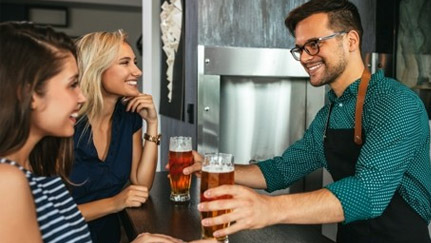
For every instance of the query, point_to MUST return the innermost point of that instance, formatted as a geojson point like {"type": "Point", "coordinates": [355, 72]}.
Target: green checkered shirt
{"type": "Point", "coordinates": [395, 155]}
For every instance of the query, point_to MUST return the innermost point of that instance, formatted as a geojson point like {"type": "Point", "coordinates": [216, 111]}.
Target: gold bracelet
{"type": "Point", "coordinates": [154, 139]}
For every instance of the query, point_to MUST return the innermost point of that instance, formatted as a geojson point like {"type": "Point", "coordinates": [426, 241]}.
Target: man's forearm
{"type": "Point", "coordinates": [250, 176]}
{"type": "Point", "coordinates": [314, 207]}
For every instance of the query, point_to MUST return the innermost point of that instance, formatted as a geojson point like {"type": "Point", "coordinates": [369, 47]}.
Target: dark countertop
{"type": "Point", "coordinates": [160, 215]}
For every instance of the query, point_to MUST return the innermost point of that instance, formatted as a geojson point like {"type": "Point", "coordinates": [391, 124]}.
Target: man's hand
{"type": "Point", "coordinates": [160, 238]}
{"type": "Point", "coordinates": [195, 168]}
{"type": "Point", "coordinates": [205, 241]}
{"type": "Point", "coordinates": [249, 210]}
{"type": "Point", "coordinates": [155, 238]}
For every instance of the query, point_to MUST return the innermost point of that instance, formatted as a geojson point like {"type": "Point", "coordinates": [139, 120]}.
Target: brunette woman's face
{"type": "Point", "coordinates": [121, 78]}
{"type": "Point", "coordinates": [55, 112]}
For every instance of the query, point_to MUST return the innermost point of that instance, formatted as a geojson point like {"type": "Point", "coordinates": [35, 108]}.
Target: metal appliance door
{"type": "Point", "coordinates": [252, 102]}
{"type": "Point", "coordinates": [260, 117]}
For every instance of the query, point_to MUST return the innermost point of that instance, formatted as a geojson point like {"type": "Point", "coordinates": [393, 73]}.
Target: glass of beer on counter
{"type": "Point", "coordinates": [180, 156]}
{"type": "Point", "coordinates": [217, 169]}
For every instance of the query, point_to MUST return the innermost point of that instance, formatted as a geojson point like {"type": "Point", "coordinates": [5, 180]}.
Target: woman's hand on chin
{"type": "Point", "coordinates": [144, 105]}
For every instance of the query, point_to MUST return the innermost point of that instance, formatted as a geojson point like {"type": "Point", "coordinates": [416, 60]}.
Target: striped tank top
{"type": "Point", "coordinates": [57, 214]}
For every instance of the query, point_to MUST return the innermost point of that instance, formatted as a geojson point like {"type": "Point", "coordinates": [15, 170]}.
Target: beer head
{"type": "Point", "coordinates": [180, 144]}
{"type": "Point", "coordinates": [218, 162]}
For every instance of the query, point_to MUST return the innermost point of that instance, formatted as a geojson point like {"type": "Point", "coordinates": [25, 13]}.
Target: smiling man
{"type": "Point", "coordinates": [373, 137]}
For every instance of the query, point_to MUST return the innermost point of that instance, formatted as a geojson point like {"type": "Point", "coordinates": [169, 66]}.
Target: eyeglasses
{"type": "Point", "coordinates": [312, 46]}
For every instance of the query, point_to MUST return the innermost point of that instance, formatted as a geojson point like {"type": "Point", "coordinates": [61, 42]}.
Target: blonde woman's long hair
{"type": "Point", "coordinates": [97, 51]}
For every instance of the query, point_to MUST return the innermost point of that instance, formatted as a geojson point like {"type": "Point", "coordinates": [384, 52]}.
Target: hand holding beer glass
{"type": "Point", "coordinates": [180, 156]}
{"type": "Point", "coordinates": [217, 169]}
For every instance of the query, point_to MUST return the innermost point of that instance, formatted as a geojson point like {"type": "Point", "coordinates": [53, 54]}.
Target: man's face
{"type": "Point", "coordinates": [330, 62]}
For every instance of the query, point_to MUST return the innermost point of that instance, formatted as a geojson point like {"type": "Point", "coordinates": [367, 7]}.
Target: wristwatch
{"type": "Point", "coordinates": [154, 139]}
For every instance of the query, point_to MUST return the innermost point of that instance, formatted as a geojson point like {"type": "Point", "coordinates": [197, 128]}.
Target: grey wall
{"type": "Point", "coordinates": [245, 23]}
{"type": "Point", "coordinates": [85, 19]}
{"type": "Point", "coordinates": [260, 23]}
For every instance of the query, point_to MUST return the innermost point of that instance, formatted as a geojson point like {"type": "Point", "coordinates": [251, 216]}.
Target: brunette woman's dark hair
{"type": "Point", "coordinates": [31, 55]}
{"type": "Point", "coordinates": [343, 15]}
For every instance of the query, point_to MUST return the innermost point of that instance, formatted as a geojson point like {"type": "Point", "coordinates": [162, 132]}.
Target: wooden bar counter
{"type": "Point", "coordinates": [160, 215]}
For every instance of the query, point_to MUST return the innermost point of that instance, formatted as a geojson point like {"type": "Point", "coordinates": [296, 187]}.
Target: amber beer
{"type": "Point", "coordinates": [217, 169]}
{"type": "Point", "coordinates": [180, 156]}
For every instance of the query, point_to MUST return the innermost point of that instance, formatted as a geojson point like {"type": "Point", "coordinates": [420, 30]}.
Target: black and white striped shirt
{"type": "Point", "coordinates": [57, 214]}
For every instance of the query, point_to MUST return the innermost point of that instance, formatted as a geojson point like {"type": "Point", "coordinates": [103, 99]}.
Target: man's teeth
{"type": "Point", "coordinates": [132, 82]}
{"type": "Point", "coordinates": [314, 67]}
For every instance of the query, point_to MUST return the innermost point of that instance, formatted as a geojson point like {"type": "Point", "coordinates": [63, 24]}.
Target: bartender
{"type": "Point", "coordinates": [373, 138]}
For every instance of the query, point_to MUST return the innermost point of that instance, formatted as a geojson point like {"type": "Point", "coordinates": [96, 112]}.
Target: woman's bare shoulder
{"type": "Point", "coordinates": [14, 185]}
{"type": "Point", "coordinates": [11, 175]}
{"type": "Point", "coordinates": [18, 221]}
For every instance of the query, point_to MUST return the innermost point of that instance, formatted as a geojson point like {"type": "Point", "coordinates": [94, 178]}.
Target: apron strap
{"type": "Point", "coordinates": [365, 79]}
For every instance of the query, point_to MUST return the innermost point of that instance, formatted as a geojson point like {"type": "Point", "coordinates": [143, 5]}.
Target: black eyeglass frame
{"type": "Point", "coordinates": [297, 50]}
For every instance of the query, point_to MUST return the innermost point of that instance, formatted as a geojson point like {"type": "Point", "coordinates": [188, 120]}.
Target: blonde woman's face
{"type": "Point", "coordinates": [55, 112]}
{"type": "Point", "coordinates": [121, 78]}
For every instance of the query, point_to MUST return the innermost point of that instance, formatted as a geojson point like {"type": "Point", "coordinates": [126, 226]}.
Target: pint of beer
{"type": "Point", "coordinates": [217, 169]}
{"type": "Point", "coordinates": [180, 156]}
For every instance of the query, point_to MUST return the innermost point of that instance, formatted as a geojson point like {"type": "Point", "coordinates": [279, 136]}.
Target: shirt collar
{"type": "Point", "coordinates": [352, 89]}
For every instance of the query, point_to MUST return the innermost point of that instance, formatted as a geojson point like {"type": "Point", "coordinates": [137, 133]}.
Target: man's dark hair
{"type": "Point", "coordinates": [343, 15]}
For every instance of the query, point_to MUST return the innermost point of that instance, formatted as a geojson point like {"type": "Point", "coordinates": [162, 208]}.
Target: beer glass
{"type": "Point", "coordinates": [180, 156]}
{"type": "Point", "coordinates": [217, 169]}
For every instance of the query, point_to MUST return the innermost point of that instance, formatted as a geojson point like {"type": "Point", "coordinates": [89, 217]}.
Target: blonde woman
{"type": "Point", "coordinates": [109, 151]}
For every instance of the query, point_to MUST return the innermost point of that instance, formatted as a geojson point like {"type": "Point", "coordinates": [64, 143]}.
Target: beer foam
{"type": "Point", "coordinates": [180, 149]}
{"type": "Point", "coordinates": [180, 144]}
{"type": "Point", "coordinates": [218, 168]}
